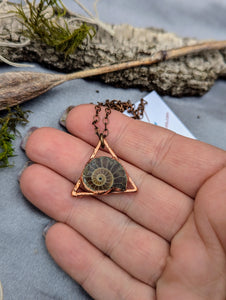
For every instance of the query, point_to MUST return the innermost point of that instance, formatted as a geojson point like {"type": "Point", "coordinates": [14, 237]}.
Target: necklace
{"type": "Point", "coordinates": [103, 175]}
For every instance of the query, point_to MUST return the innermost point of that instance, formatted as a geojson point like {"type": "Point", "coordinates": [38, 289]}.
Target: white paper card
{"type": "Point", "coordinates": [158, 113]}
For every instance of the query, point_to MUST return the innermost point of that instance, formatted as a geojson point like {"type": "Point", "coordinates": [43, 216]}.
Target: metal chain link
{"type": "Point", "coordinates": [119, 106]}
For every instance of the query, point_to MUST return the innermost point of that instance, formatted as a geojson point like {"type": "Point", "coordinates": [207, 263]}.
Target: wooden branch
{"type": "Point", "coordinates": [160, 56]}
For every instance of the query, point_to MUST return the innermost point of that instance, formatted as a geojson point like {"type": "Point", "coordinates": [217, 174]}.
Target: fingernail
{"type": "Point", "coordinates": [27, 164]}
{"type": "Point", "coordinates": [25, 138]}
{"type": "Point", "coordinates": [63, 118]}
{"type": "Point", "coordinates": [47, 227]}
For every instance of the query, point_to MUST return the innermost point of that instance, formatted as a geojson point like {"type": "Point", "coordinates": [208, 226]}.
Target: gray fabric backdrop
{"type": "Point", "coordinates": [26, 270]}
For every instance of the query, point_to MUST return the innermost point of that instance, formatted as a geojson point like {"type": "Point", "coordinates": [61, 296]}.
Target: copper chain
{"type": "Point", "coordinates": [119, 106]}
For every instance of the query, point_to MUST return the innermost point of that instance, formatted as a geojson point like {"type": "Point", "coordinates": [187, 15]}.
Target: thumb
{"type": "Point", "coordinates": [196, 268]}
{"type": "Point", "coordinates": [210, 211]}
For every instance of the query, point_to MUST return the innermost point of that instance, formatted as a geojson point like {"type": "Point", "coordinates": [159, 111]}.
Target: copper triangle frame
{"type": "Point", "coordinates": [114, 156]}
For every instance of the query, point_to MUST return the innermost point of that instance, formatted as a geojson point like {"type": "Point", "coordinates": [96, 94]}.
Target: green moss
{"type": "Point", "coordinates": [8, 132]}
{"type": "Point", "coordinates": [46, 28]}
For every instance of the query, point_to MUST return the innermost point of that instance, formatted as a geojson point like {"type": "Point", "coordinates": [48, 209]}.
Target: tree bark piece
{"type": "Point", "coordinates": [192, 74]}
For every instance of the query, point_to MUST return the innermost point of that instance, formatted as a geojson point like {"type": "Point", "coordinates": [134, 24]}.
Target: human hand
{"type": "Point", "coordinates": [166, 241]}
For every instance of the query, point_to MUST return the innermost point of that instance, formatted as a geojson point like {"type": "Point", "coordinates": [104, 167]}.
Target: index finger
{"type": "Point", "coordinates": [182, 162]}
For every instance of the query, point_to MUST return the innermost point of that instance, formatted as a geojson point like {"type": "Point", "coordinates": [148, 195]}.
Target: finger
{"type": "Point", "coordinates": [156, 206]}
{"type": "Point", "coordinates": [192, 271]}
{"type": "Point", "coordinates": [183, 163]}
{"type": "Point", "coordinates": [97, 274]}
{"type": "Point", "coordinates": [197, 262]}
{"type": "Point", "coordinates": [140, 252]}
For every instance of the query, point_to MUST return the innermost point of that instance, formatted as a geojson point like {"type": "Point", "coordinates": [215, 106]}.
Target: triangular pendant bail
{"type": "Point", "coordinates": [125, 183]}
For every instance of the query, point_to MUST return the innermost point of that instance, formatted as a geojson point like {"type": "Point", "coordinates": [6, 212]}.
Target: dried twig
{"type": "Point", "coordinates": [95, 8]}
{"type": "Point", "coordinates": [14, 45]}
{"type": "Point", "coordinates": [92, 19]}
{"type": "Point", "coordinates": [5, 15]}
{"type": "Point", "coordinates": [158, 57]}
{"type": "Point", "coordinates": [18, 87]}
{"type": "Point", "coordinates": [8, 62]}
{"type": "Point", "coordinates": [193, 74]}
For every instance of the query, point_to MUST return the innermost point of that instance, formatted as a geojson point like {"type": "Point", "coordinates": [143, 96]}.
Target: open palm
{"type": "Point", "coordinates": [166, 241]}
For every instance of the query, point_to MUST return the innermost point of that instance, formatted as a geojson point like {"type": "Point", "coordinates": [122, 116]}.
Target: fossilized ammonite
{"type": "Point", "coordinates": [103, 175]}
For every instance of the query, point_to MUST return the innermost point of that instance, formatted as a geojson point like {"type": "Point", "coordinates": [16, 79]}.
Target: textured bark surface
{"type": "Point", "coordinates": [189, 75]}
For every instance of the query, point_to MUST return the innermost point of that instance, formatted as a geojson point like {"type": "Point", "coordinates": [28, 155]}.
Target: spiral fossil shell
{"type": "Point", "coordinates": [103, 175]}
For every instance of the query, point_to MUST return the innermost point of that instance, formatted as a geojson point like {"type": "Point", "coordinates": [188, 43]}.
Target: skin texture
{"type": "Point", "coordinates": [166, 241]}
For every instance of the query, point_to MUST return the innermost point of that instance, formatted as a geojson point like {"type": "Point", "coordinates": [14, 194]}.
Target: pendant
{"type": "Point", "coordinates": [103, 175]}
